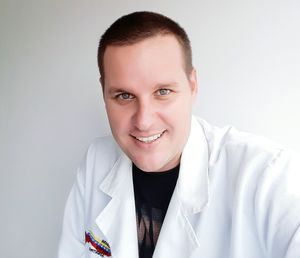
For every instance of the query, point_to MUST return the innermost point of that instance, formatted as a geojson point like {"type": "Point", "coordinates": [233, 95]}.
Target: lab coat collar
{"type": "Point", "coordinates": [177, 237]}
{"type": "Point", "coordinates": [192, 186]}
{"type": "Point", "coordinates": [118, 219]}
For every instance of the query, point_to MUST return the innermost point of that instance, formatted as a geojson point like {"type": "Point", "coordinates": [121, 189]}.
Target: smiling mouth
{"type": "Point", "coordinates": [149, 139]}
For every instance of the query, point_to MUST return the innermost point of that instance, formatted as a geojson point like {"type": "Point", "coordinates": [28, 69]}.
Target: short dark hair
{"type": "Point", "coordinates": [137, 26]}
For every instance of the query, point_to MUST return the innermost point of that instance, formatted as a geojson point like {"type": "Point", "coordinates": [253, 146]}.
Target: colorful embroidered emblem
{"type": "Point", "coordinates": [100, 247]}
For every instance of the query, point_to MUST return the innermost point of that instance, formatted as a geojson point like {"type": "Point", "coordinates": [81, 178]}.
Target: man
{"type": "Point", "coordinates": [171, 185]}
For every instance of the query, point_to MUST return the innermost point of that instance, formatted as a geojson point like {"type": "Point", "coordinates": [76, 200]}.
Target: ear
{"type": "Point", "coordinates": [193, 83]}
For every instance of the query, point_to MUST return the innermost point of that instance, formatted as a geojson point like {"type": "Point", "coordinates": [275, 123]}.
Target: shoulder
{"type": "Point", "coordinates": [254, 174]}
{"type": "Point", "coordinates": [245, 158]}
{"type": "Point", "coordinates": [239, 146]}
{"type": "Point", "coordinates": [100, 157]}
{"type": "Point", "coordinates": [103, 148]}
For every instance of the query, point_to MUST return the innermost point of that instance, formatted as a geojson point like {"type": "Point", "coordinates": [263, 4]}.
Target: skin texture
{"type": "Point", "coordinates": [147, 92]}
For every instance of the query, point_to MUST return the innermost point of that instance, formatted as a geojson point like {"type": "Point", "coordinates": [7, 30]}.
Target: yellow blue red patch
{"type": "Point", "coordinates": [100, 247]}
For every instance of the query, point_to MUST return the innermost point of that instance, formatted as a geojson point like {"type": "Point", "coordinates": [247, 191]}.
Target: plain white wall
{"type": "Point", "coordinates": [247, 54]}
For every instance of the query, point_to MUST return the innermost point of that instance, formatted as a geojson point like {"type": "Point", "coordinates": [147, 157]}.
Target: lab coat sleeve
{"type": "Point", "coordinates": [278, 207]}
{"type": "Point", "coordinates": [72, 242]}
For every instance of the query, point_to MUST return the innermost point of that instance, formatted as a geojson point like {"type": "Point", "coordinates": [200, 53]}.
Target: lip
{"type": "Point", "coordinates": [148, 140]}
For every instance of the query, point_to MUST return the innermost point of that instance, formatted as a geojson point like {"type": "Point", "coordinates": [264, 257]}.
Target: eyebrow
{"type": "Point", "coordinates": [167, 84]}
{"type": "Point", "coordinates": [115, 89]}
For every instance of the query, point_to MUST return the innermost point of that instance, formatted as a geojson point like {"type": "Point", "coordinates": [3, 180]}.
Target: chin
{"type": "Point", "coordinates": [145, 167]}
{"type": "Point", "coordinates": [154, 166]}
{"type": "Point", "coordinates": [148, 166]}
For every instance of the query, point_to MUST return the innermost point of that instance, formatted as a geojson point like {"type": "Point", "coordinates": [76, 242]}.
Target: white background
{"type": "Point", "coordinates": [247, 53]}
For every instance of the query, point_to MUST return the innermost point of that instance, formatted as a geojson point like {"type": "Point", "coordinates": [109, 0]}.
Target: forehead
{"type": "Point", "coordinates": [155, 58]}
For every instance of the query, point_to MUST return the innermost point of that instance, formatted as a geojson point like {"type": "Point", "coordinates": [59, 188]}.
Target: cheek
{"type": "Point", "coordinates": [113, 115]}
{"type": "Point", "coordinates": [179, 116]}
{"type": "Point", "coordinates": [178, 109]}
{"type": "Point", "coordinates": [118, 118]}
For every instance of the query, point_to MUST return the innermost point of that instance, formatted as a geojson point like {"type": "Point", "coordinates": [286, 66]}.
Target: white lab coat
{"type": "Point", "coordinates": [237, 196]}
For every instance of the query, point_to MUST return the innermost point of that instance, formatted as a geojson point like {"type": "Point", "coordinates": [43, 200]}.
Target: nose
{"type": "Point", "coordinates": [144, 116]}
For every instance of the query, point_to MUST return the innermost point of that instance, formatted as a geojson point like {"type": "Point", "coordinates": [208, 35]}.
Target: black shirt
{"type": "Point", "coordinates": [153, 192]}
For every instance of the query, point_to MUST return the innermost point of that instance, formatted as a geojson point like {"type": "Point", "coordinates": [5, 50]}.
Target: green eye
{"type": "Point", "coordinates": [163, 91]}
{"type": "Point", "coordinates": [125, 96]}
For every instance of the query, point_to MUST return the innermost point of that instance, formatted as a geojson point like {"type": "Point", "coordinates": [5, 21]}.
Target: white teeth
{"type": "Point", "coordinates": [150, 138]}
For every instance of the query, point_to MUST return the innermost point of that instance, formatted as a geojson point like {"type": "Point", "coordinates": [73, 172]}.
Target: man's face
{"type": "Point", "coordinates": [148, 98]}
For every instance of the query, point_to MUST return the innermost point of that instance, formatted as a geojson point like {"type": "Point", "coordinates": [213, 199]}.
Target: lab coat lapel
{"type": "Point", "coordinates": [118, 219]}
{"type": "Point", "coordinates": [177, 237]}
